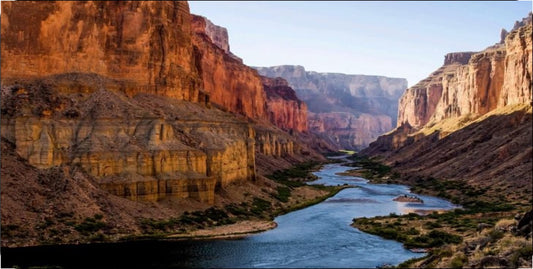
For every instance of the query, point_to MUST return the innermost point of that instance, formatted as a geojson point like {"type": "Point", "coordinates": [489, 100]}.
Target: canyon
{"type": "Point", "coordinates": [106, 101]}
{"type": "Point", "coordinates": [349, 111]}
{"type": "Point", "coordinates": [469, 125]}
{"type": "Point", "coordinates": [123, 119]}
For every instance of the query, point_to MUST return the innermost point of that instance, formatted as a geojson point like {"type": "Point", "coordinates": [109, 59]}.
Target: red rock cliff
{"type": "Point", "coordinates": [231, 84]}
{"type": "Point", "coordinates": [285, 110]}
{"type": "Point", "coordinates": [473, 83]}
{"type": "Point", "coordinates": [128, 41]}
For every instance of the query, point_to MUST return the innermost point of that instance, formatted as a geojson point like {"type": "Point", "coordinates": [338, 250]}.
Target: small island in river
{"type": "Point", "coordinates": [408, 198]}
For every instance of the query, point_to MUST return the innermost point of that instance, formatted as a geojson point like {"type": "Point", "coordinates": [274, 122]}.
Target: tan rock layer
{"type": "Point", "coordinates": [140, 159]}
{"type": "Point", "coordinates": [490, 79]}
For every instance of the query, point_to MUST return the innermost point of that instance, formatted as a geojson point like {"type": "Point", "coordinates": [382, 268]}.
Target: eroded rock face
{"type": "Point", "coordinates": [230, 84]}
{"type": "Point", "coordinates": [145, 148]}
{"type": "Point", "coordinates": [124, 40]}
{"type": "Point", "coordinates": [217, 34]}
{"type": "Point", "coordinates": [348, 130]}
{"type": "Point", "coordinates": [88, 84]}
{"type": "Point", "coordinates": [469, 122]}
{"type": "Point", "coordinates": [473, 83]}
{"type": "Point", "coordinates": [285, 110]}
{"type": "Point", "coordinates": [345, 102]}
{"type": "Point", "coordinates": [517, 78]}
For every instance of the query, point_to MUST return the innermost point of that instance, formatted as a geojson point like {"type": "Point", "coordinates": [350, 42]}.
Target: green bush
{"type": "Point", "coordinates": [259, 206]}
{"type": "Point", "coordinates": [412, 231]}
{"type": "Point", "coordinates": [90, 225]}
{"type": "Point", "coordinates": [458, 261]}
{"type": "Point", "coordinates": [444, 237]}
{"type": "Point", "coordinates": [283, 194]}
{"type": "Point", "coordinates": [236, 210]}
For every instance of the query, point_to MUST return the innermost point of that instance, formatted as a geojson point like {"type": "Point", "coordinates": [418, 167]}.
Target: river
{"type": "Point", "coordinates": [316, 236]}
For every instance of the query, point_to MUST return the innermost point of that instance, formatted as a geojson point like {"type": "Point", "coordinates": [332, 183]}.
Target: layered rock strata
{"type": "Point", "coordinates": [469, 121]}
{"type": "Point", "coordinates": [473, 83]}
{"type": "Point", "coordinates": [285, 110]}
{"type": "Point", "coordinates": [125, 40]}
{"type": "Point", "coordinates": [353, 109]}
{"type": "Point", "coordinates": [144, 148]}
{"type": "Point", "coordinates": [230, 84]}
{"type": "Point", "coordinates": [80, 81]}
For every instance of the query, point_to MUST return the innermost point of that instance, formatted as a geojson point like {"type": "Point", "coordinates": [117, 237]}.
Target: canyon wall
{"type": "Point", "coordinates": [142, 148]}
{"type": "Point", "coordinates": [138, 102]}
{"type": "Point", "coordinates": [230, 84]}
{"type": "Point", "coordinates": [88, 84]}
{"type": "Point", "coordinates": [472, 83]}
{"type": "Point", "coordinates": [285, 110]}
{"type": "Point", "coordinates": [352, 109]}
{"type": "Point", "coordinates": [127, 41]}
{"type": "Point", "coordinates": [470, 120]}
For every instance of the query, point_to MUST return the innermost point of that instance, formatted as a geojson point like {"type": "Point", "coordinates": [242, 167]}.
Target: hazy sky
{"type": "Point", "coordinates": [396, 39]}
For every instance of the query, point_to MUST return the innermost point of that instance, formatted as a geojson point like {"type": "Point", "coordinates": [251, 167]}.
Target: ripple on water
{"type": "Point", "coordinates": [316, 236]}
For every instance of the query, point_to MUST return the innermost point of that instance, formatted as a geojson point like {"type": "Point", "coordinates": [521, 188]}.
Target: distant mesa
{"type": "Point", "coordinates": [350, 111]}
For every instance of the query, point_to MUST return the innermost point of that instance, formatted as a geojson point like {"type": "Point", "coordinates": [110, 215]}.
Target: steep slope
{"type": "Point", "coordinates": [221, 73]}
{"type": "Point", "coordinates": [122, 40]}
{"type": "Point", "coordinates": [470, 120]}
{"type": "Point", "coordinates": [100, 117]}
{"type": "Point", "coordinates": [352, 110]}
{"type": "Point", "coordinates": [281, 97]}
{"type": "Point", "coordinates": [473, 83]}
{"type": "Point", "coordinates": [266, 101]}
{"type": "Point", "coordinates": [465, 134]}
{"type": "Point", "coordinates": [102, 101]}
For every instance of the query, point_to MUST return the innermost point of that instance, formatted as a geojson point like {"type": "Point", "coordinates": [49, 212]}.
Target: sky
{"type": "Point", "coordinates": [396, 39]}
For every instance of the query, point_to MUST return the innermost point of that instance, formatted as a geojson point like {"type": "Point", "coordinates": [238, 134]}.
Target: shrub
{"type": "Point", "coordinates": [458, 261]}
{"type": "Point", "coordinates": [283, 194]}
{"type": "Point", "coordinates": [444, 237]}
{"type": "Point", "coordinates": [90, 225]}
{"type": "Point", "coordinates": [412, 231]}
{"type": "Point", "coordinates": [236, 210]}
{"type": "Point", "coordinates": [259, 206]}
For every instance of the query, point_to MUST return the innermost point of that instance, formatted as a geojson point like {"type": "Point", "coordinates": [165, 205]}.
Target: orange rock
{"type": "Point", "coordinates": [285, 110]}
{"type": "Point", "coordinates": [473, 83]}
{"type": "Point", "coordinates": [125, 40]}
{"type": "Point", "coordinates": [230, 84]}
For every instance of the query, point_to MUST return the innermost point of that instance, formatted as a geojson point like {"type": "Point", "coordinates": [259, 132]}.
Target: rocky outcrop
{"type": "Point", "coordinates": [517, 79]}
{"type": "Point", "coordinates": [126, 96]}
{"type": "Point", "coordinates": [469, 122]}
{"type": "Point", "coordinates": [125, 40]}
{"type": "Point", "coordinates": [347, 130]}
{"type": "Point", "coordinates": [457, 57]}
{"type": "Point", "coordinates": [345, 102]}
{"type": "Point", "coordinates": [217, 34]}
{"type": "Point", "coordinates": [472, 83]}
{"type": "Point", "coordinates": [285, 110]}
{"type": "Point", "coordinates": [231, 84]}
{"type": "Point", "coordinates": [145, 148]}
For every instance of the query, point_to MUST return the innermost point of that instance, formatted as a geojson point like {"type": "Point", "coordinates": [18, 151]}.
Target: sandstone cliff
{"type": "Point", "coordinates": [285, 110]}
{"type": "Point", "coordinates": [122, 40]}
{"type": "Point", "coordinates": [80, 86]}
{"type": "Point", "coordinates": [472, 83]}
{"type": "Point", "coordinates": [469, 121]}
{"type": "Point", "coordinates": [146, 147]}
{"type": "Point", "coordinates": [352, 109]}
{"type": "Point", "coordinates": [222, 74]}
{"type": "Point", "coordinates": [102, 101]}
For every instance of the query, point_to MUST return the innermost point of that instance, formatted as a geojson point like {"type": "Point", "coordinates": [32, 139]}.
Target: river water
{"type": "Point", "coordinates": [316, 236]}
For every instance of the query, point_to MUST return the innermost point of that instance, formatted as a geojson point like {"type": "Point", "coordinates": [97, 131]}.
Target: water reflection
{"type": "Point", "coordinates": [317, 236]}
